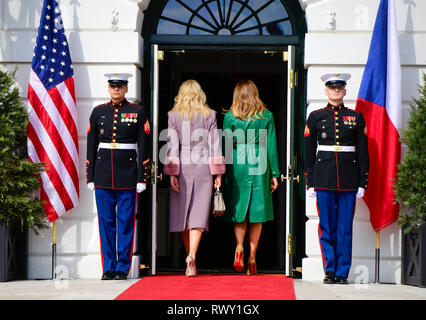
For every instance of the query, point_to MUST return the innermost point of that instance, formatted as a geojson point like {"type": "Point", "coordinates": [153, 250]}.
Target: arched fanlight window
{"type": "Point", "coordinates": [225, 17]}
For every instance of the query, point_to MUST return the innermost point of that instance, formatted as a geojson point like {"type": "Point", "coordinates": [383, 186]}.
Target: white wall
{"type": "Point", "coordinates": [97, 46]}
{"type": "Point", "coordinates": [96, 49]}
{"type": "Point", "coordinates": [343, 47]}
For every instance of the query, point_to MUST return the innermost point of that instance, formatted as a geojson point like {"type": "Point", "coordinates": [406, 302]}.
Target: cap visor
{"type": "Point", "coordinates": [335, 83]}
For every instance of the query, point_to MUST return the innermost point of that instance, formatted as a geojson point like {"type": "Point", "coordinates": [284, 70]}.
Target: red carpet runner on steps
{"type": "Point", "coordinates": [211, 287]}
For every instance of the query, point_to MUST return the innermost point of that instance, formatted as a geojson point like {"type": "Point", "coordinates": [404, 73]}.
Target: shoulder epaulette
{"type": "Point", "coordinates": [316, 111]}
{"type": "Point", "coordinates": [136, 105]}
{"type": "Point", "coordinates": [101, 105]}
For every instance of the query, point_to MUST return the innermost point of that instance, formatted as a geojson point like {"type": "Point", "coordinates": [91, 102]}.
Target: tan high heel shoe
{"type": "Point", "coordinates": [251, 266]}
{"type": "Point", "coordinates": [239, 258]}
{"type": "Point", "coordinates": [191, 270]}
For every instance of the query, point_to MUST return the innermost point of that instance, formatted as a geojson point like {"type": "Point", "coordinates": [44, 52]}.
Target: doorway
{"type": "Point", "coordinates": [218, 72]}
{"type": "Point", "coordinates": [218, 43]}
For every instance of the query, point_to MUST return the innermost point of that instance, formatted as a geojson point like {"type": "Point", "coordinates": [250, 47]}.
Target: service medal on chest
{"type": "Point", "coordinates": [129, 117]}
{"type": "Point", "coordinates": [349, 120]}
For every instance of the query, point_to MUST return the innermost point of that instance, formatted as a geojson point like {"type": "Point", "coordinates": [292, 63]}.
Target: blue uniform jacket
{"type": "Point", "coordinates": [118, 168]}
{"type": "Point", "coordinates": [341, 171]}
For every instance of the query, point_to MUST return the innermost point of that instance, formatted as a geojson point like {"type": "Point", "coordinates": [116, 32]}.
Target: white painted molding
{"type": "Point", "coordinates": [331, 20]}
{"type": "Point", "coordinates": [305, 3]}
{"type": "Point", "coordinates": [143, 5]}
{"type": "Point", "coordinates": [351, 48]}
{"type": "Point", "coordinates": [115, 19]}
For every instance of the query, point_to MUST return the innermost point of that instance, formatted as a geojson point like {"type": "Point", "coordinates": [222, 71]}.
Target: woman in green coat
{"type": "Point", "coordinates": [252, 168]}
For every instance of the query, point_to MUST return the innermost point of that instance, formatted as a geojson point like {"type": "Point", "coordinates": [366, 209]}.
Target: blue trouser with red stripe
{"type": "Point", "coordinates": [336, 212]}
{"type": "Point", "coordinates": [116, 215]}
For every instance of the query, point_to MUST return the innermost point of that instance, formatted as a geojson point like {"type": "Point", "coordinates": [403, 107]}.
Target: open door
{"type": "Point", "coordinates": [154, 163]}
{"type": "Point", "coordinates": [292, 176]}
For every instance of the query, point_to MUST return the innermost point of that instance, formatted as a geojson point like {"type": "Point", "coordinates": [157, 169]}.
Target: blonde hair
{"type": "Point", "coordinates": [190, 101]}
{"type": "Point", "coordinates": [246, 102]}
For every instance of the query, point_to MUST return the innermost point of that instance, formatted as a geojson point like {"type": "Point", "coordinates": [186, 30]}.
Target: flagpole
{"type": "Point", "coordinates": [377, 258]}
{"type": "Point", "coordinates": [54, 252]}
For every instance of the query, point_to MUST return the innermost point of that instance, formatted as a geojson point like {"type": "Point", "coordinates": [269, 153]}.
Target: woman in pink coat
{"type": "Point", "coordinates": [194, 157]}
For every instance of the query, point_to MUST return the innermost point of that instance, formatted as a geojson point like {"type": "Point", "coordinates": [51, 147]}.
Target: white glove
{"type": "Point", "coordinates": [91, 186]}
{"type": "Point", "coordinates": [311, 193]}
{"type": "Point", "coordinates": [140, 187]}
{"type": "Point", "coordinates": [360, 193]}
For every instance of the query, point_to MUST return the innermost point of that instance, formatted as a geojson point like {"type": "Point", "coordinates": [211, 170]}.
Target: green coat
{"type": "Point", "coordinates": [252, 158]}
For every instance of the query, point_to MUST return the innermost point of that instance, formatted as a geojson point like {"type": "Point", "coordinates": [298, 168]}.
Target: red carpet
{"type": "Point", "coordinates": [211, 287]}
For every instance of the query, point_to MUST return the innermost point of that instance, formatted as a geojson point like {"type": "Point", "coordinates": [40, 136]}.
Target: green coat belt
{"type": "Point", "coordinates": [252, 159]}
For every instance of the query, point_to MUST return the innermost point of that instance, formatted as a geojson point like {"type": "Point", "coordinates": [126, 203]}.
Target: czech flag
{"type": "Point", "coordinates": [379, 100]}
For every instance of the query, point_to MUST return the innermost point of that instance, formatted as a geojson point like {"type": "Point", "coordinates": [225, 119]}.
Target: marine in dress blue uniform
{"type": "Point", "coordinates": [117, 168]}
{"type": "Point", "coordinates": [336, 172]}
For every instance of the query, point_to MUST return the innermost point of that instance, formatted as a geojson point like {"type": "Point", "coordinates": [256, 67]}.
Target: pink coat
{"type": "Point", "coordinates": [194, 155]}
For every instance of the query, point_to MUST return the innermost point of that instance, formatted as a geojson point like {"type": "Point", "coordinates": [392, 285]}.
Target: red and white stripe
{"type": "Point", "coordinates": [53, 141]}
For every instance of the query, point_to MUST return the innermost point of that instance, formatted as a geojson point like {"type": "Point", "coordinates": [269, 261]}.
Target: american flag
{"type": "Point", "coordinates": [52, 128]}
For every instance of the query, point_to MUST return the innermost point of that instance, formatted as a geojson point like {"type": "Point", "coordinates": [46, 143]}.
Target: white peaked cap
{"type": "Point", "coordinates": [118, 76]}
{"type": "Point", "coordinates": [335, 78]}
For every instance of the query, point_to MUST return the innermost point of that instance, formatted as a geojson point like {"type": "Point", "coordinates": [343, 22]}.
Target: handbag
{"type": "Point", "coordinates": [218, 203]}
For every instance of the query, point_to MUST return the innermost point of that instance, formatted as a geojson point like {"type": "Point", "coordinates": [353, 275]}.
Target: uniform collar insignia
{"type": "Point", "coordinates": [118, 105]}
{"type": "Point", "coordinates": [336, 108]}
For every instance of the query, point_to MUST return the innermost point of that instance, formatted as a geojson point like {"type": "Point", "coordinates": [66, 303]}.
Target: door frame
{"type": "Point", "coordinates": [239, 42]}
{"type": "Point", "coordinates": [289, 174]}
{"type": "Point", "coordinates": [154, 167]}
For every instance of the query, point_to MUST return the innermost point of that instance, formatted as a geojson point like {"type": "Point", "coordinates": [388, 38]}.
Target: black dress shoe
{"type": "Point", "coordinates": [341, 280]}
{"type": "Point", "coordinates": [120, 276]}
{"type": "Point", "coordinates": [329, 278]}
{"type": "Point", "coordinates": [108, 275]}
